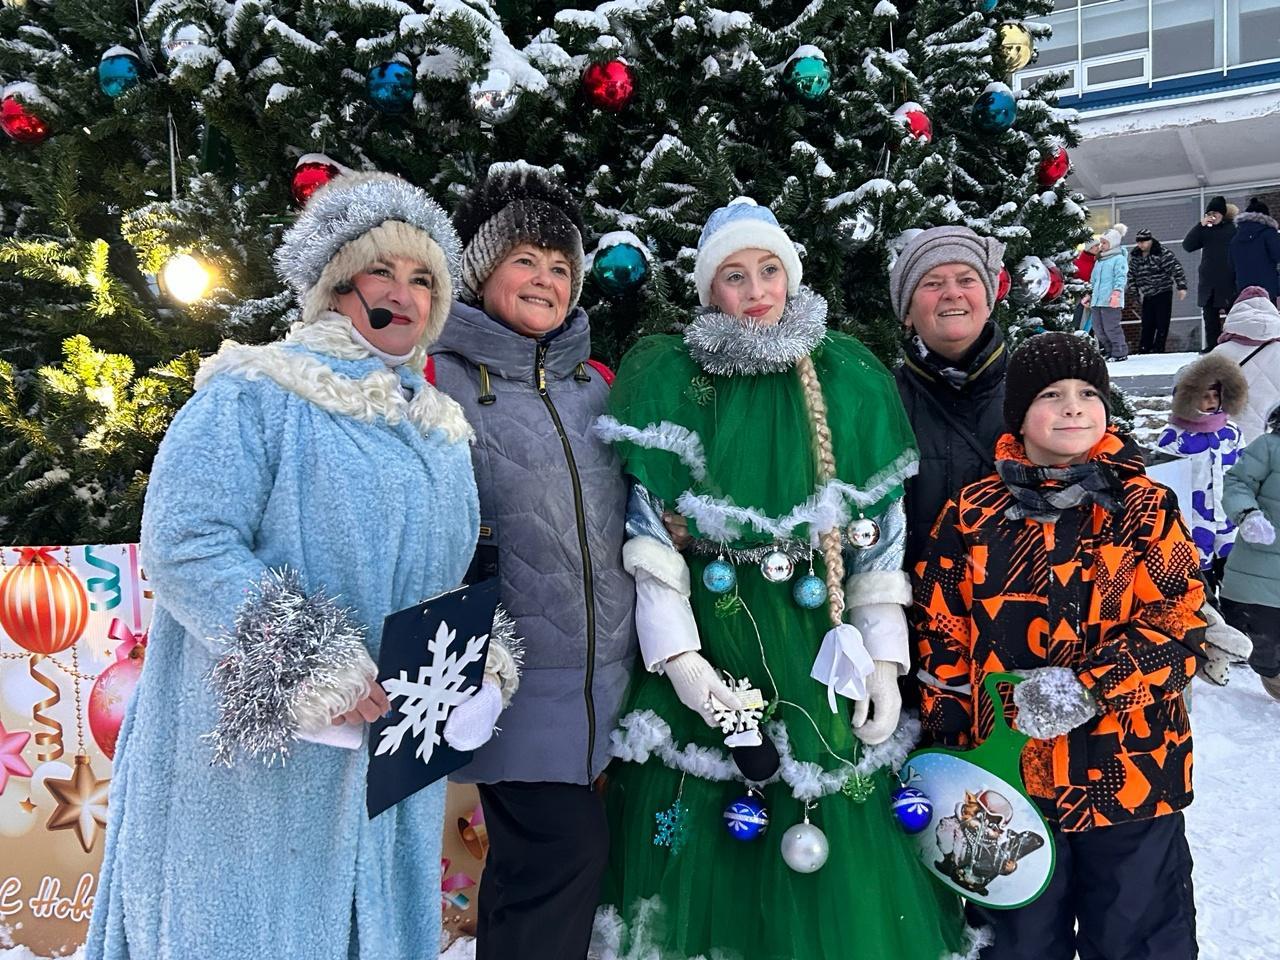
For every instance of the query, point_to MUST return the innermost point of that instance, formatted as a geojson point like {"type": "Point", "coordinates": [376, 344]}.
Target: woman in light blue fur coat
{"type": "Point", "coordinates": [328, 455]}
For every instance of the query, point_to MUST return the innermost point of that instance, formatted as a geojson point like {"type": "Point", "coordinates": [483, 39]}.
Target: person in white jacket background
{"type": "Point", "coordinates": [1249, 338]}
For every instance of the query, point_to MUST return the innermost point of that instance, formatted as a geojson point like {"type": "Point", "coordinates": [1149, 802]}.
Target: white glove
{"type": "Point", "coordinates": [882, 691]}
{"type": "Point", "coordinates": [471, 723]}
{"type": "Point", "coordinates": [1256, 528]}
{"type": "Point", "coordinates": [695, 682]}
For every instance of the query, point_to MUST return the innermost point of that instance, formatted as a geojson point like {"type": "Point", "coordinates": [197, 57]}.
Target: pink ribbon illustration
{"type": "Point", "coordinates": [450, 885]}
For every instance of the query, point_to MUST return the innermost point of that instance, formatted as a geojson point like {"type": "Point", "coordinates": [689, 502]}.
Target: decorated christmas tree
{"type": "Point", "coordinates": [154, 154]}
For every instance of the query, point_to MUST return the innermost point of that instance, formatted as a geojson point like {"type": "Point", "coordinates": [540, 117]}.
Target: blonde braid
{"type": "Point", "coordinates": [825, 459]}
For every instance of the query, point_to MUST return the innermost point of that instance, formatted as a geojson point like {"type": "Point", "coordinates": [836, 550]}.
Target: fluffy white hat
{"type": "Point", "coordinates": [742, 225]}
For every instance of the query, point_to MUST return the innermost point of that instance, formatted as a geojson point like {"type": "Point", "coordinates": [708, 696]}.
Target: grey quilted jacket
{"type": "Point", "coordinates": [553, 498]}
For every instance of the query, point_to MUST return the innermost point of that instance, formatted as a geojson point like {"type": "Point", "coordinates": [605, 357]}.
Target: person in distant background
{"type": "Point", "coordinates": [1105, 299]}
{"type": "Point", "coordinates": [1217, 278]}
{"type": "Point", "coordinates": [1255, 249]}
{"type": "Point", "coordinates": [1154, 272]}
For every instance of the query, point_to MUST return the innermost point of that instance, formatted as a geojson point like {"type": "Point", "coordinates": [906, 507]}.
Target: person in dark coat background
{"type": "Point", "coordinates": [1217, 279]}
{"type": "Point", "coordinates": [1154, 272]}
{"type": "Point", "coordinates": [1255, 249]}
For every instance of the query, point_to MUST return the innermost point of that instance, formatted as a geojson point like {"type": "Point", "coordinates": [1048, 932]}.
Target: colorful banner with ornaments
{"type": "Point", "coordinates": [73, 641]}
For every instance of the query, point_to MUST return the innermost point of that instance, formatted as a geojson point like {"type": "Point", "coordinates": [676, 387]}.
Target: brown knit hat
{"type": "Point", "coordinates": [1047, 358]}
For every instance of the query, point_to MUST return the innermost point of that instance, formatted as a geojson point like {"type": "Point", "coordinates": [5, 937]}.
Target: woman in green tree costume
{"type": "Point", "coordinates": [783, 446]}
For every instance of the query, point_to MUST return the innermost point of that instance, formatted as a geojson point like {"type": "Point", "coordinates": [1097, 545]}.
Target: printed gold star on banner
{"type": "Point", "coordinates": [81, 803]}
{"type": "Point", "coordinates": [26, 805]}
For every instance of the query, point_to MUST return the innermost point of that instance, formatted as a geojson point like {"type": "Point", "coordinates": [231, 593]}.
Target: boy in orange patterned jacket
{"type": "Point", "coordinates": [1071, 566]}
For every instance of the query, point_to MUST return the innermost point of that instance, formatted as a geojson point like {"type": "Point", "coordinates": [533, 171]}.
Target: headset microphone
{"type": "Point", "coordinates": [378, 317]}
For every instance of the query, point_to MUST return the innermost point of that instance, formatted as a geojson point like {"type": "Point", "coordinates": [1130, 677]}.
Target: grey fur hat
{"type": "Point", "coordinates": [352, 221]}
{"type": "Point", "coordinates": [937, 246]}
{"type": "Point", "coordinates": [517, 203]}
{"type": "Point", "coordinates": [1196, 377]}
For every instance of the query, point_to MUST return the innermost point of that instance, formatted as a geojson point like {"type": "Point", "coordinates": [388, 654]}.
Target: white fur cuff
{"type": "Point", "coordinates": [315, 707]}
{"type": "Point", "coordinates": [878, 586]}
{"type": "Point", "coordinates": [665, 564]}
{"type": "Point", "coordinates": [506, 653]}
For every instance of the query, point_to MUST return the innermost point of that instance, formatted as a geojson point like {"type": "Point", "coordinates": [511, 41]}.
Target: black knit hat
{"type": "Point", "coordinates": [1257, 206]}
{"type": "Point", "coordinates": [1047, 358]}
{"type": "Point", "coordinates": [1217, 205]}
{"type": "Point", "coordinates": [517, 203]}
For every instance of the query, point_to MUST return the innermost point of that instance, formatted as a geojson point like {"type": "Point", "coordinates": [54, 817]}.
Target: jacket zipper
{"type": "Point", "coordinates": [540, 373]}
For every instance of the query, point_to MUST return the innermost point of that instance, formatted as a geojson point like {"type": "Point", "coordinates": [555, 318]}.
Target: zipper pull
{"type": "Point", "coordinates": [540, 369]}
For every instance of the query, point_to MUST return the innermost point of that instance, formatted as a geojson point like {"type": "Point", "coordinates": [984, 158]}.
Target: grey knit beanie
{"type": "Point", "coordinates": [939, 245]}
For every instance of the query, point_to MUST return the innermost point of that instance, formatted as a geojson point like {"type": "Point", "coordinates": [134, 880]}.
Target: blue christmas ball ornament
{"type": "Point", "coordinates": [620, 264]}
{"type": "Point", "coordinates": [746, 818]}
{"type": "Point", "coordinates": [118, 71]}
{"type": "Point", "coordinates": [987, 5]}
{"type": "Point", "coordinates": [719, 576]}
{"type": "Point", "coordinates": [995, 110]}
{"type": "Point", "coordinates": [912, 808]}
{"type": "Point", "coordinates": [391, 86]}
{"type": "Point", "coordinates": [809, 592]}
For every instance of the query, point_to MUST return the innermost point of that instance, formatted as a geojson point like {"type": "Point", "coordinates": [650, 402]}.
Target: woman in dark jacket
{"type": "Point", "coordinates": [1216, 288]}
{"type": "Point", "coordinates": [516, 354]}
{"type": "Point", "coordinates": [1255, 249]}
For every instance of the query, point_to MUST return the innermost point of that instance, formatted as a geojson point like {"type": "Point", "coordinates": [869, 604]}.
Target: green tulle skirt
{"type": "Point", "coordinates": [723, 898]}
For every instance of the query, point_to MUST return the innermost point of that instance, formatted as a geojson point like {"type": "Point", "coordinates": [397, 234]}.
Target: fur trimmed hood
{"type": "Point", "coordinates": [1195, 378]}
{"type": "Point", "coordinates": [1259, 218]}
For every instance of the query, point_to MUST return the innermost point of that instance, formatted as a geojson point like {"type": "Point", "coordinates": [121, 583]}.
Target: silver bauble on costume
{"type": "Point", "coordinates": [805, 848]}
{"type": "Point", "coordinates": [777, 567]}
{"type": "Point", "coordinates": [864, 532]}
{"type": "Point", "coordinates": [494, 96]}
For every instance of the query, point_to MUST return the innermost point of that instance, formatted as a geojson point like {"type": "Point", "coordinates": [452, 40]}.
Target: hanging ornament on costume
{"type": "Point", "coordinates": [43, 606]}
{"type": "Point", "coordinates": [494, 97]}
{"type": "Point", "coordinates": [390, 85]}
{"type": "Point", "coordinates": [620, 263]}
{"type": "Point", "coordinates": [312, 171]}
{"type": "Point", "coordinates": [1016, 43]}
{"type": "Point", "coordinates": [855, 231]}
{"type": "Point", "coordinates": [114, 686]}
{"type": "Point", "coordinates": [1053, 167]}
{"type": "Point", "coordinates": [804, 846]}
{"type": "Point", "coordinates": [20, 120]}
{"type": "Point", "coordinates": [912, 808]}
{"type": "Point", "coordinates": [777, 567]}
{"type": "Point", "coordinates": [80, 803]}
{"type": "Point", "coordinates": [182, 36]}
{"type": "Point", "coordinates": [863, 532]}
{"type": "Point", "coordinates": [1003, 283]}
{"type": "Point", "coordinates": [747, 817]}
{"type": "Point", "coordinates": [809, 591]}
{"type": "Point", "coordinates": [609, 85]}
{"type": "Point", "coordinates": [1056, 282]}
{"type": "Point", "coordinates": [119, 71]}
{"type": "Point", "coordinates": [807, 74]}
{"type": "Point", "coordinates": [996, 110]}
{"type": "Point", "coordinates": [1033, 280]}
{"type": "Point", "coordinates": [672, 825]}
{"type": "Point", "coordinates": [915, 121]}
{"type": "Point", "coordinates": [719, 576]}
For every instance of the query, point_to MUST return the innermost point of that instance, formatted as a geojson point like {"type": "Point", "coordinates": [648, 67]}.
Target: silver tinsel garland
{"type": "Point", "coordinates": [729, 346]}
{"type": "Point", "coordinates": [283, 646]}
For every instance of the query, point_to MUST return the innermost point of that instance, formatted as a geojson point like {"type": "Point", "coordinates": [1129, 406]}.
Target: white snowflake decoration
{"type": "Point", "coordinates": [744, 720]}
{"type": "Point", "coordinates": [428, 699]}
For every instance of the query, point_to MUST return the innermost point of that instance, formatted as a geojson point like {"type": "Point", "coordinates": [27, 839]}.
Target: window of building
{"type": "Point", "coordinates": [1253, 32]}
{"type": "Point", "coordinates": [1186, 37]}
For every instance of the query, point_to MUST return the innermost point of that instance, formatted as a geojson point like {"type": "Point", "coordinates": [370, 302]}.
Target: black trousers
{"type": "Point", "coordinates": [1156, 310]}
{"type": "Point", "coordinates": [1212, 325]}
{"type": "Point", "coordinates": [1117, 893]}
{"type": "Point", "coordinates": [548, 847]}
{"type": "Point", "coordinates": [1262, 624]}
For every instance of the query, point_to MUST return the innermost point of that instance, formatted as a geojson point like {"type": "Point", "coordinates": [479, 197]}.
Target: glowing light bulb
{"type": "Point", "coordinates": [185, 278]}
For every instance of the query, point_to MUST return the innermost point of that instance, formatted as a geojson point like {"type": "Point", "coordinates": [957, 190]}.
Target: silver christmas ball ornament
{"type": "Point", "coordinates": [494, 96]}
{"type": "Point", "coordinates": [1033, 280]}
{"type": "Point", "coordinates": [805, 848]}
{"type": "Point", "coordinates": [181, 36]}
{"type": "Point", "coordinates": [857, 230]}
{"type": "Point", "coordinates": [864, 532]}
{"type": "Point", "coordinates": [777, 567]}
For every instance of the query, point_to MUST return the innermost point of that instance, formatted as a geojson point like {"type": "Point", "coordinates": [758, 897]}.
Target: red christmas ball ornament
{"type": "Point", "coordinates": [1003, 285]}
{"type": "Point", "coordinates": [1053, 168]}
{"type": "Point", "coordinates": [43, 606]}
{"type": "Point", "coordinates": [609, 86]}
{"type": "Point", "coordinates": [1056, 282]}
{"type": "Point", "coordinates": [113, 688]}
{"type": "Point", "coordinates": [22, 123]}
{"type": "Point", "coordinates": [915, 121]}
{"type": "Point", "coordinates": [313, 171]}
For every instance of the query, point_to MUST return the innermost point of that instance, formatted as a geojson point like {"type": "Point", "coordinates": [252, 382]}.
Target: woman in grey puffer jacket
{"type": "Point", "coordinates": [552, 512]}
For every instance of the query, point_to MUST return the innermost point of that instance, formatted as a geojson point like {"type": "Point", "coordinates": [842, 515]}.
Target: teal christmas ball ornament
{"type": "Point", "coordinates": [620, 264]}
{"type": "Point", "coordinates": [390, 86]}
{"type": "Point", "coordinates": [119, 71]}
{"type": "Point", "coordinates": [809, 592]}
{"type": "Point", "coordinates": [912, 808]}
{"type": "Point", "coordinates": [807, 74]}
{"type": "Point", "coordinates": [747, 818]}
{"type": "Point", "coordinates": [986, 6]}
{"type": "Point", "coordinates": [719, 576]}
{"type": "Point", "coordinates": [996, 110]}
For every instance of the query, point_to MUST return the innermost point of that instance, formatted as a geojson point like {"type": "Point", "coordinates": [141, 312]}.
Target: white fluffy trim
{"type": "Point", "coordinates": [506, 655]}
{"type": "Point", "coordinates": [672, 437]}
{"type": "Point", "coordinates": [666, 564]}
{"type": "Point", "coordinates": [643, 734]}
{"type": "Point", "coordinates": [315, 707]}
{"type": "Point", "coordinates": [374, 395]}
{"type": "Point", "coordinates": [828, 508]}
{"type": "Point", "coordinates": [878, 586]}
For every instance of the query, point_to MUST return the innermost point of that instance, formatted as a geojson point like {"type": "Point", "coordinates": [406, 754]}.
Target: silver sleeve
{"type": "Point", "coordinates": [887, 553]}
{"type": "Point", "coordinates": [644, 516]}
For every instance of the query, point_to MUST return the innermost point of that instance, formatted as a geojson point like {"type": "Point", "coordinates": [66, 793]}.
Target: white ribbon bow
{"type": "Point", "coordinates": [843, 664]}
